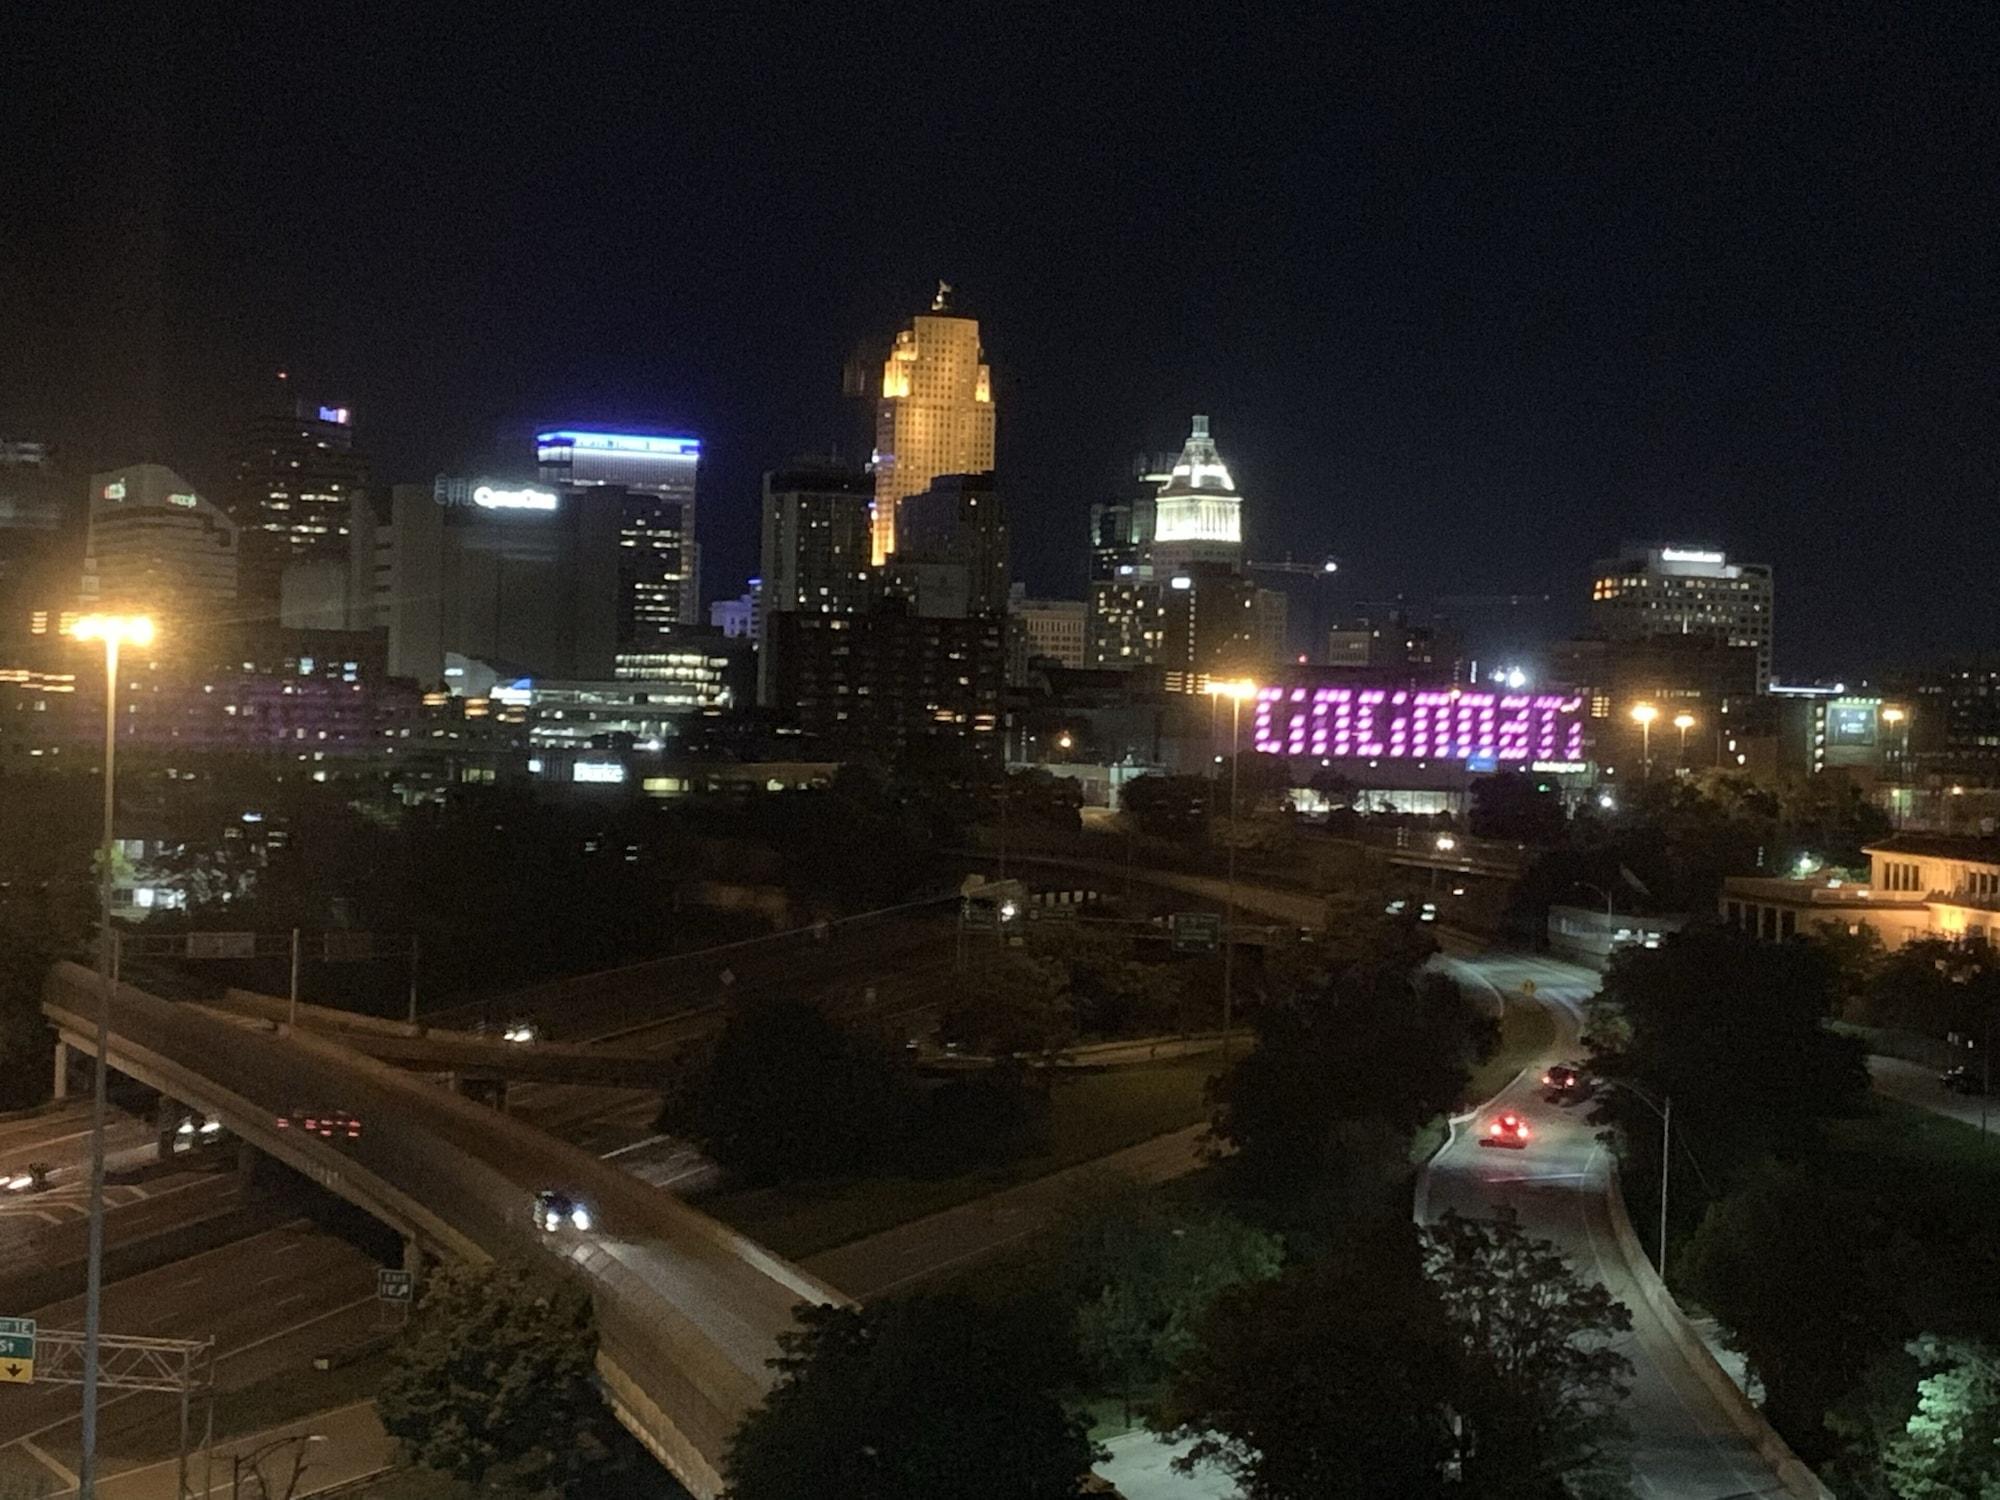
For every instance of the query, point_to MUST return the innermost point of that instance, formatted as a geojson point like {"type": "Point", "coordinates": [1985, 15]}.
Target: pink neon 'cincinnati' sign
{"type": "Point", "coordinates": [1334, 723]}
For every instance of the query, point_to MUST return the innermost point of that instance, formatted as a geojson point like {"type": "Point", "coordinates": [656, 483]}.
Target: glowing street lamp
{"type": "Point", "coordinates": [1236, 692]}
{"type": "Point", "coordinates": [1643, 715]}
{"type": "Point", "coordinates": [1684, 722]}
{"type": "Point", "coordinates": [114, 631]}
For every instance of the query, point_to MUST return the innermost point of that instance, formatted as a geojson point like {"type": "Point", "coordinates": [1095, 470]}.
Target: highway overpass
{"type": "Point", "coordinates": [688, 1310]}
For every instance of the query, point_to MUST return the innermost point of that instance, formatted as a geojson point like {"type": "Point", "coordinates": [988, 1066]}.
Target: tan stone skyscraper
{"type": "Point", "coordinates": [936, 415]}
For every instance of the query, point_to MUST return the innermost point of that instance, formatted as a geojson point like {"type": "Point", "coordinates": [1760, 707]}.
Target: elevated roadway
{"type": "Point", "coordinates": [689, 1312]}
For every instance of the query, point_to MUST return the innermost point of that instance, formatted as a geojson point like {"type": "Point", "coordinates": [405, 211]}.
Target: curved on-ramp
{"type": "Point", "coordinates": [688, 1311]}
{"type": "Point", "coordinates": [1695, 1435]}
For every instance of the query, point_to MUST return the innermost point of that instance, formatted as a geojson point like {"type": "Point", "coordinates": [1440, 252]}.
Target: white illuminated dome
{"type": "Point", "coordinates": [1199, 502]}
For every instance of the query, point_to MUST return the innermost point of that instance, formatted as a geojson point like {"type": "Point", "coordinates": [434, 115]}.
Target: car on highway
{"type": "Point", "coordinates": [1964, 1079]}
{"type": "Point", "coordinates": [556, 1210]}
{"type": "Point", "coordinates": [1508, 1130]}
{"type": "Point", "coordinates": [33, 1180]}
{"type": "Point", "coordinates": [521, 1031]}
{"type": "Point", "coordinates": [327, 1124]}
{"type": "Point", "coordinates": [1565, 1082]}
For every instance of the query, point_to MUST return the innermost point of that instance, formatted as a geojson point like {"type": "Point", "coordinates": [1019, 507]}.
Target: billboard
{"type": "Point", "coordinates": [1343, 721]}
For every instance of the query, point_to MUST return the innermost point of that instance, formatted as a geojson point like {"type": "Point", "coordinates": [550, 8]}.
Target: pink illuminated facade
{"type": "Point", "coordinates": [1443, 724]}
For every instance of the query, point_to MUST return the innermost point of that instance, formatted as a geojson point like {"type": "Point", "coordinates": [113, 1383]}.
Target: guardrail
{"type": "Point", "coordinates": [1799, 1480]}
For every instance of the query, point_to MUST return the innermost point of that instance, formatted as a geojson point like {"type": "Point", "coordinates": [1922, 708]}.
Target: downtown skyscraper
{"type": "Point", "coordinates": [935, 415]}
{"type": "Point", "coordinates": [297, 473]}
{"type": "Point", "coordinates": [651, 478]}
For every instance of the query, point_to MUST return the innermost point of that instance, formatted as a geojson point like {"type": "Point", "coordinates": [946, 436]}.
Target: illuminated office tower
{"type": "Point", "coordinates": [659, 560]}
{"type": "Point", "coordinates": [153, 543]}
{"type": "Point", "coordinates": [936, 413]}
{"type": "Point", "coordinates": [297, 471]}
{"type": "Point", "coordinates": [1651, 590]}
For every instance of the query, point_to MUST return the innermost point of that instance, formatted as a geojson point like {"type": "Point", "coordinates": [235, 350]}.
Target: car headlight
{"type": "Point", "coordinates": [579, 1217]}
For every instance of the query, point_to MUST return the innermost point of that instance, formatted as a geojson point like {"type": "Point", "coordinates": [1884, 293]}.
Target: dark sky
{"type": "Point", "coordinates": [1471, 292]}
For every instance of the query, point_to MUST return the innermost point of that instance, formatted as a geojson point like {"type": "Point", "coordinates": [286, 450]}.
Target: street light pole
{"type": "Point", "coordinates": [1643, 715]}
{"type": "Point", "coordinates": [1229, 921]}
{"type": "Point", "coordinates": [1236, 692]}
{"type": "Point", "coordinates": [112, 631]}
{"type": "Point", "coordinates": [1665, 1110]}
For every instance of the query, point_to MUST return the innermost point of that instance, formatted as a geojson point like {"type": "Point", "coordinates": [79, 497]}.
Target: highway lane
{"type": "Point", "coordinates": [269, 1302]}
{"type": "Point", "coordinates": [607, 1004]}
{"type": "Point", "coordinates": [689, 1311]}
{"type": "Point", "coordinates": [1686, 1442]}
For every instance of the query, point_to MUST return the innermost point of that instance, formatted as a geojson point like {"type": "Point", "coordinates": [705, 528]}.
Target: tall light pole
{"type": "Point", "coordinates": [1683, 722]}
{"type": "Point", "coordinates": [113, 631]}
{"type": "Point", "coordinates": [1643, 715]}
{"type": "Point", "coordinates": [1894, 718]}
{"type": "Point", "coordinates": [1235, 692]}
{"type": "Point", "coordinates": [1665, 1110]}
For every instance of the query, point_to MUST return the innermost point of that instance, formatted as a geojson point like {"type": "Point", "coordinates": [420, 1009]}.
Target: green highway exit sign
{"type": "Point", "coordinates": [17, 1351]}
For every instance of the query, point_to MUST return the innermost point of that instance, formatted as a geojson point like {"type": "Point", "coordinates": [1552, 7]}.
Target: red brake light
{"type": "Point", "coordinates": [1524, 1132]}
{"type": "Point", "coordinates": [1494, 1128]}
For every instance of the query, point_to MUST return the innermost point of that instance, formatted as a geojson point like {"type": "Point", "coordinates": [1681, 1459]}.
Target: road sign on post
{"type": "Point", "coordinates": [17, 1351]}
{"type": "Point", "coordinates": [1196, 931]}
{"type": "Point", "coordinates": [395, 1286]}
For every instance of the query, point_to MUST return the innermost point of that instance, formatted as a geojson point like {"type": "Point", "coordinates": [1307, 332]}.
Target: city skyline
{"type": "Point", "coordinates": [1674, 307]}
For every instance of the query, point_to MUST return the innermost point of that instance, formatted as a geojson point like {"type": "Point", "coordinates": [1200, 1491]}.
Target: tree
{"type": "Point", "coordinates": [1015, 1003]}
{"type": "Point", "coordinates": [36, 929]}
{"type": "Point", "coordinates": [911, 1399]}
{"type": "Point", "coordinates": [1950, 1447]}
{"type": "Point", "coordinates": [1939, 986]}
{"type": "Point", "coordinates": [493, 1383]}
{"type": "Point", "coordinates": [1333, 1380]}
{"type": "Point", "coordinates": [1174, 808]}
{"type": "Point", "coordinates": [1377, 1043]}
{"type": "Point", "coordinates": [1519, 806]}
{"type": "Point", "coordinates": [1733, 1031]}
{"type": "Point", "coordinates": [788, 1094]}
{"type": "Point", "coordinates": [1809, 1281]}
{"type": "Point", "coordinates": [1155, 1272]}
{"type": "Point", "coordinates": [1112, 992]}
{"type": "Point", "coordinates": [1543, 1382]}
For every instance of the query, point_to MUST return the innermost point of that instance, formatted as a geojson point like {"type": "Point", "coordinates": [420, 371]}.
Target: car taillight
{"type": "Point", "coordinates": [1523, 1132]}
{"type": "Point", "coordinates": [1494, 1128]}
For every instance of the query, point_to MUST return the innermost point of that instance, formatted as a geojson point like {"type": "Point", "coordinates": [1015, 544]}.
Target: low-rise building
{"type": "Point", "coordinates": [1918, 885]}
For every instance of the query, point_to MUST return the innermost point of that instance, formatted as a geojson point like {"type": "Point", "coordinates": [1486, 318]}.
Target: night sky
{"type": "Point", "coordinates": [1471, 293]}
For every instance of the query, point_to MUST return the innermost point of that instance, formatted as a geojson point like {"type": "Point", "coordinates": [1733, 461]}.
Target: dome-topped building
{"type": "Point", "coordinates": [1198, 516]}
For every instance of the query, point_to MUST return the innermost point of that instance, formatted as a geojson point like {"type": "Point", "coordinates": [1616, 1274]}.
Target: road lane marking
{"type": "Point", "coordinates": [49, 1461]}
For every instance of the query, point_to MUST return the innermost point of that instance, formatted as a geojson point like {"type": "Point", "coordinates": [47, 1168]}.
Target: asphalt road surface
{"type": "Point", "coordinates": [1914, 1083]}
{"type": "Point", "coordinates": [269, 1302]}
{"type": "Point", "coordinates": [1685, 1444]}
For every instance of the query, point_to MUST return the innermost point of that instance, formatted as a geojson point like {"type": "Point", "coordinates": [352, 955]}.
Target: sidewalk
{"type": "Point", "coordinates": [355, 1447]}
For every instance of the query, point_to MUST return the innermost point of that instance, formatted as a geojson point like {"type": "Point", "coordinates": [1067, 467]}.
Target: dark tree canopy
{"type": "Point", "coordinates": [494, 1383]}
{"type": "Point", "coordinates": [1809, 1281]}
{"type": "Point", "coordinates": [1733, 1030]}
{"type": "Point", "coordinates": [1373, 1041]}
{"type": "Point", "coordinates": [912, 1399]}
{"type": "Point", "coordinates": [787, 1093]}
{"type": "Point", "coordinates": [1333, 1380]}
{"type": "Point", "coordinates": [1542, 1382]}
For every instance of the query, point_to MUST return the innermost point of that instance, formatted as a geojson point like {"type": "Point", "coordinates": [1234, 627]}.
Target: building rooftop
{"type": "Point", "coordinates": [1979, 849]}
